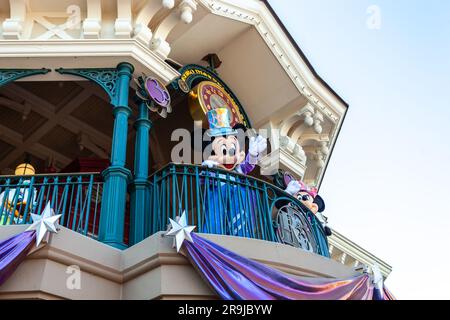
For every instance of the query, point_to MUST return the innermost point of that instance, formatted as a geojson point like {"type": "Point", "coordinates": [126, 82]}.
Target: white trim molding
{"type": "Point", "coordinates": [340, 245]}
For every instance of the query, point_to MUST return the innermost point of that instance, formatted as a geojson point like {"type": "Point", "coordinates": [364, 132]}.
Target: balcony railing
{"type": "Point", "coordinates": [221, 202]}
{"type": "Point", "coordinates": [216, 201]}
{"type": "Point", "coordinates": [77, 197]}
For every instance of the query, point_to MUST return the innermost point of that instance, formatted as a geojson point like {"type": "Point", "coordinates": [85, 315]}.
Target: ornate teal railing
{"type": "Point", "coordinates": [221, 202]}
{"type": "Point", "coordinates": [77, 197]}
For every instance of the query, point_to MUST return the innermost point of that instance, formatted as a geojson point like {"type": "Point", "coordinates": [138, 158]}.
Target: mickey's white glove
{"type": "Point", "coordinates": [293, 187]}
{"type": "Point", "coordinates": [210, 163]}
{"type": "Point", "coordinates": [257, 146]}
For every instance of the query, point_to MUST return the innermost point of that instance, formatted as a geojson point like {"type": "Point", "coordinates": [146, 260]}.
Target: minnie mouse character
{"type": "Point", "coordinates": [309, 197]}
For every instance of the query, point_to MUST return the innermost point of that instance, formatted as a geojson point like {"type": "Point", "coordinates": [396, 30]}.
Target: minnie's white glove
{"type": "Point", "coordinates": [377, 277]}
{"type": "Point", "coordinates": [210, 163]}
{"type": "Point", "coordinates": [257, 146]}
{"type": "Point", "coordinates": [293, 187]}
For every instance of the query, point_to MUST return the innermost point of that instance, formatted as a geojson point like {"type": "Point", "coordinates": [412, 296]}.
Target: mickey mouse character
{"type": "Point", "coordinates": [227, 153]}
{"type": "Point", "coordinates": [309, 197]}
{"type": "Point", "coordinates": [227, 216]}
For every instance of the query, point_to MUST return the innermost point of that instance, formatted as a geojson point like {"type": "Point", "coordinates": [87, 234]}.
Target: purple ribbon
{"type": "Point", "coordinates": [13, 251]}
{"type": "Point", "coordinates": [234, 277]}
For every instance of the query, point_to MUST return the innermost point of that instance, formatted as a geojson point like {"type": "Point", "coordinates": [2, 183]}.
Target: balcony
{"type": "Point", "coordinates": [225, 203]}
{"type": "Point", "coordinates": [77, 197]}
{"type": "Point", "coordinates": [122, 207]}
{"type": "Point", "coordinates": [216, 201]}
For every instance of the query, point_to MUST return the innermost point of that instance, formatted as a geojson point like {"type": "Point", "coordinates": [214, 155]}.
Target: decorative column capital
{"type": "Point", "coordinates": [117, 171]}
{"type": "Point", "coordinates": [123, 28]}
{"type": "Point", "coordinates": [125, 67]}
{"type": "Point", "coordinates": [91, 28]}
{"type": "Point", "coordinates": [13, 26]}
{"type": "Point", "coordinates": [139, 183]}
{"type": "Point", "coordinates": [122, 109]}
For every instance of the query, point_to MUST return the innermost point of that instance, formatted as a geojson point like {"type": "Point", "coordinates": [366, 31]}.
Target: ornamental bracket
{"type": "Point", "coordinates": [106, 78]}
{"type": "Point", "coordinates": [11, 75]}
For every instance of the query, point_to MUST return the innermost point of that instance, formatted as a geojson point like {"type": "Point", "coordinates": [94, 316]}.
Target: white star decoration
{"type": "Point", "coordinates": [43, 223]}
{"type": "Point", "coordinates": [180, 230]}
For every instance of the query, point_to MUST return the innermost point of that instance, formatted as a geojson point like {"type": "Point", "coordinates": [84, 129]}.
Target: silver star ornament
{"type": "Point", "coordinates": [44, 223]}
{"type": "Point", "coordinates": [180, 230]}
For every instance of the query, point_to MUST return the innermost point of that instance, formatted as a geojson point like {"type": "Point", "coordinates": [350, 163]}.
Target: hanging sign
{"type": "Point", "coordinates": [207, 91]}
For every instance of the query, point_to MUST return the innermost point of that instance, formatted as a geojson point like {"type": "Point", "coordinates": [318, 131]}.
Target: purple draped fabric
{"type": "Point", "coordinates": [13, 251]}
{"type": "Point", "coordinates": [387, 295]}
{"type": "Point", "coordinates": [234, 277]}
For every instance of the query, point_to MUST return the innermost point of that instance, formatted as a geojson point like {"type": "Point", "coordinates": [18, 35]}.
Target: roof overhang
{"type": "Point", "coordinates": [261, 63]}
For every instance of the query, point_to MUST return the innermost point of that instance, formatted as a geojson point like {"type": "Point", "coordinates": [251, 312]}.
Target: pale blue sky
{"type": "Point", "coordinates": [388, 181]}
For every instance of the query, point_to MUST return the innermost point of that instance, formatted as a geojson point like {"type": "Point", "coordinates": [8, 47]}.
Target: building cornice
{"type": "Point", "coordinates": [303, 76]}
{"type": "Point", "coordinates": [131, 50]}
{"type": "Point", "coordinates": [347, 246]}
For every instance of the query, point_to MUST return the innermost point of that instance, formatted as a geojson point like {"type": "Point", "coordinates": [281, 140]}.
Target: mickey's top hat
{"type": "Point", "coordinates": [220, 122]}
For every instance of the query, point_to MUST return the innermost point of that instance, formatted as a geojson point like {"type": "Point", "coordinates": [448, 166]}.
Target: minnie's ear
{"type": "Point", "coordinates": [320, 203]}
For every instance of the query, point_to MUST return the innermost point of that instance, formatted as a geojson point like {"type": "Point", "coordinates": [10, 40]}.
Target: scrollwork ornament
{"type": "Point", "coordinates": [11, 75]}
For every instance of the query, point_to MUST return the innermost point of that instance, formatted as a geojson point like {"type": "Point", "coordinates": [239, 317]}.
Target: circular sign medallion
{"type": "Point", "coordinates": [209, 95]}
{"type": "Point", "coordinates": [157, 91]}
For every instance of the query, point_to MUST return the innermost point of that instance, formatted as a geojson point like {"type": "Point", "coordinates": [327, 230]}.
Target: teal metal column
{"type": "Point", "coordinates": [116, 177]}
{"type": "Point", "coordinates": [140, 186]}
{"type": "Point", "coordinates": [115, 82]}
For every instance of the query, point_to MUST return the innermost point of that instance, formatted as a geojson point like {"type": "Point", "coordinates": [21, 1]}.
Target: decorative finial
{"type": "Point", "coordinates": [169, 4]}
